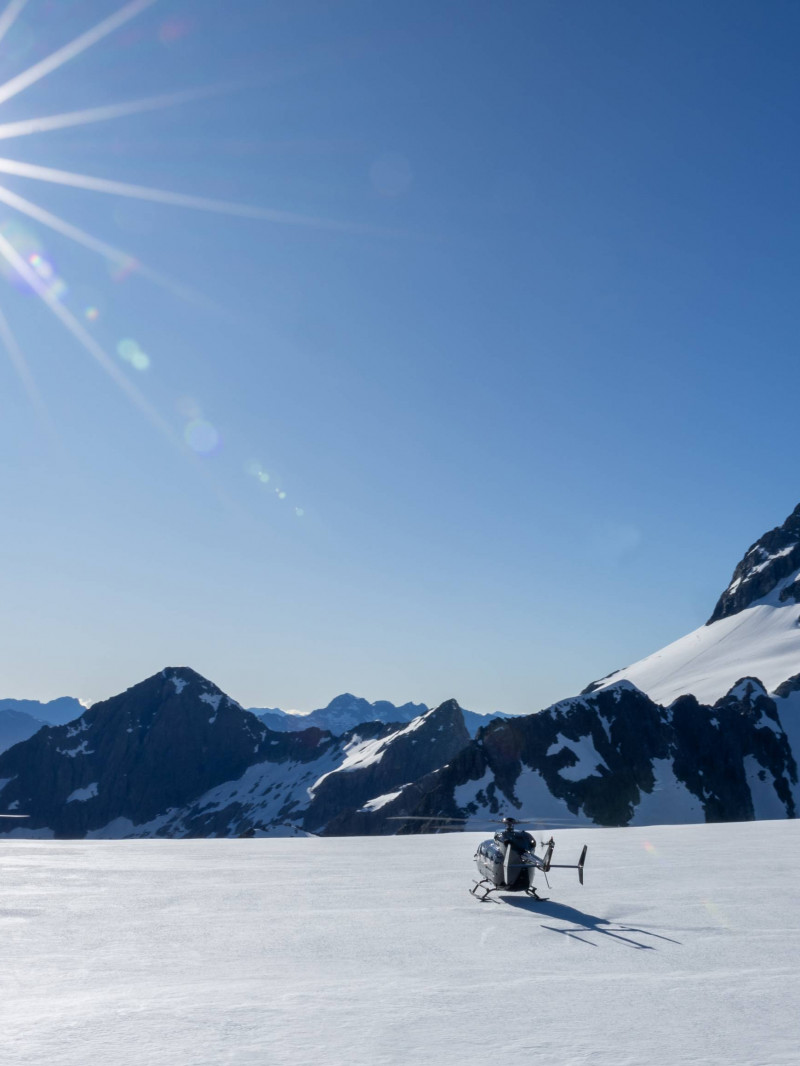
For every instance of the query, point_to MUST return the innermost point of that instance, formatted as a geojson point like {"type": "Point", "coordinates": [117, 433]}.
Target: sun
{"type": "Point", "coordinates": [27, 266]}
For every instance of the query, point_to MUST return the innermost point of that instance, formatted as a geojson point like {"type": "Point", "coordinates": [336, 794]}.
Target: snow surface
{"type": "Point", "coordinates": [381, 801]}
{"type": "Point", "coordinates": [761, 641]}
{"type": "Point", "coordinates": [670, 800]}
{"type": "Point", "coordinates": [356, 951]}
{"type": "Point", "coordinates": [588, 763]}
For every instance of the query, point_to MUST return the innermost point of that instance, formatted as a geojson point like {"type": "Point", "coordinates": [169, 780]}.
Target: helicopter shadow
{"type": "Point", "coordinates": [582, 923]}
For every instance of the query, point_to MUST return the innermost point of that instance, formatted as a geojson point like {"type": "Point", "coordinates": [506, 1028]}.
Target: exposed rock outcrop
{"type": "Point", "coordinates": [773, 559]}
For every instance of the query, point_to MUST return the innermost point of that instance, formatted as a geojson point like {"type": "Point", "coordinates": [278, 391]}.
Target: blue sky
{"type": "Point", "coordinates": [522, 381]}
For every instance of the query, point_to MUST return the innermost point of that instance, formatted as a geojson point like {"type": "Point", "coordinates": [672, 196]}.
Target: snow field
{"type": "Point", "coordinates": [682, 947]}
{"type": "Point", "coordinates": [761, 641]}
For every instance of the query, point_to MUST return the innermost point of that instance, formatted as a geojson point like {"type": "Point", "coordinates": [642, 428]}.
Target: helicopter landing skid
{"type": "Point", "coordinates": [486, 891]}
{"type": "Point", "coordinates": [535, 895]}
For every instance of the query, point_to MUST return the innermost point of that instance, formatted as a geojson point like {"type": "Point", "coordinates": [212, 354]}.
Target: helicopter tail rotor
{"type": "Point", "coordinates": [572, 866]}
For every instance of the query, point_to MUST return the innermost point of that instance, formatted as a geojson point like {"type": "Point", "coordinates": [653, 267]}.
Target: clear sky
{"type": "Point", "coordinates": [484, 399]}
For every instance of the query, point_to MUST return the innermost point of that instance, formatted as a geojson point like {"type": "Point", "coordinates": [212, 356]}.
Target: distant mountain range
{"type": "Point", "coordinates": [708, 729]}
{"type": "Point", "coordinates": [347, 711]}
{"type": "Point", "coordinates": [20, 719]}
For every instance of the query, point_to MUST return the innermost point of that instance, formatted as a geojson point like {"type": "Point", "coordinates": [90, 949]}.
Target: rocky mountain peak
{"type": "Point", "coordinates": [746, 691]}
{"type": "Point", "coordinates": [771, 565]}
{"type": "Point", "coordinates": [345, 701]}
{"type": "Point", "coordinates": [787, 687]}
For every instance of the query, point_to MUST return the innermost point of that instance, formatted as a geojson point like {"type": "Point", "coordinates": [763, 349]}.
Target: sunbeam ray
{"type": "Point", "coordinates": [29, 275]}
{"type": "Point", "coordinates": [9, 16]}
{"type": "Point", "coordinates": [102, 114]}
{"type": "Point", "coordinates": [74, 48]}
{"type": "Point", "coordinates": [175, 199]}
{"type": "Point", "coordinates": [20, 364]}
{"type": "Point", "coordinates": [114, 255]}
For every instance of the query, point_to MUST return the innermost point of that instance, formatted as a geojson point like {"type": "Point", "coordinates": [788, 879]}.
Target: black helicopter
{"type": "Point", "coordinates": [509, 862]}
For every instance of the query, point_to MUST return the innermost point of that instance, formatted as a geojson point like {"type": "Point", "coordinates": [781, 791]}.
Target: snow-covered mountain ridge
{"type": "Point", "coordinates": [614, 757]}
{"type": "Point", "coordinates": [708, 729]}
{"type": "Point", "coordinates": [20, 719]}
{"type": "Point", "coordinates": [754, 630]}
{"type": "Point", "coordinates": [174, 756]}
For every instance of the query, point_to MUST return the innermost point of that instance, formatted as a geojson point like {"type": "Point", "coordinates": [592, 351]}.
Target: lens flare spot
{"type": "Point", "coordinates": [256, 470]}
{"type": "Point", "coordinates": [129, 351]}
{"type": "Point", "coordinates": [28, 246]}
{"type": "Point", "coordinates": [127, 348]}
{"type": "Point", "coordinates": [281, 495]}
{"type": "Point", "coordinates": [42, 267]}
{"type": "Point", "coordinates": [201, 436]}
{"type": "Point", "coordinates": [58, 288]}
{"type": "Point", "coordinates": [140, 361]}
{"type": "Point", "coordinates": [123, 268]}
{"type": "Point", "coordinates": [91, 314]}
{"type": "Point", "coordinates": [299, 512]}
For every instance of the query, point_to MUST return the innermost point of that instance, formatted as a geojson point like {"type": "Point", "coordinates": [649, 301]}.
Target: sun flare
{"type": "Point", "coordinates": [22, 262]}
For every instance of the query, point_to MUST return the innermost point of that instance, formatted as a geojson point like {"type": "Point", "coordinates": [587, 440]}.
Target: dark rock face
{"type": "Point", "coordinates": [275, 791]}
{"type": "Point", "coordinates": [138, 755]}
{"type": "Point", "coordinates": [766, 564]}
{"type": "Point", "coordinates": [602, 755]}
{"type": "Point", "coordinates": [712, 746]}
{"type": "Point", "coordinates": [429, 742]}
{"type": "Point", "coordinates": [174, 756]}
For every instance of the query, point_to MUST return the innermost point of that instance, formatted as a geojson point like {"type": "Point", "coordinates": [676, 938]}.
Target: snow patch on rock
{"type": "Point", "coordinates": [81, 795]}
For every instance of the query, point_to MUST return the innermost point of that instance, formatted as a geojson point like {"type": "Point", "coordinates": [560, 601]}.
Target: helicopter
{"type": "Point", "coordinates": [508, 862]}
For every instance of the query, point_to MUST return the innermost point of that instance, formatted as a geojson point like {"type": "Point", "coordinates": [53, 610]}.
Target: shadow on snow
{"type": "Point", "coordinates": [581, 922]}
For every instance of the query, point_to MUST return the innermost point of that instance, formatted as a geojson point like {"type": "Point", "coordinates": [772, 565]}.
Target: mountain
{"type": "Point", "coordinates": [136, 756]}
{"type": "Point", "coordinates": [175, 756]}
{"type": "Point", "coordinates": [708, 729]}
{"type": "Point", "coordinates": [16, 726]}
{"type": "Point", "coordinates": [55, 712]}
{"type": "Point", "coordinates": [753, 630]}
{"type": "Point", "coordinates": [614, 757]}
{"type": "Point", "coordinates": [20, 719]}
{"type": "Point", "coordinates": [342, 713]}
{"type": "Point", "coordinates": [378, 774]}
{"type": "Point", "coordinates": [347, 711]}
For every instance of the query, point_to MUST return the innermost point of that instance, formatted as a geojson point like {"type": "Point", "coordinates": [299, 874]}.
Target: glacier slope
{"type": "Point", "coordinates": [680, 948]}
{"type": "Point", "coordinates": [762, 641]}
